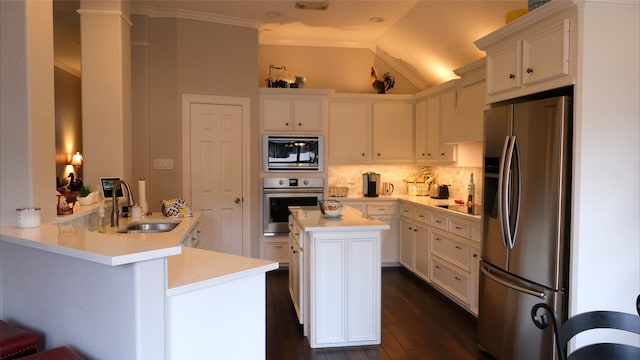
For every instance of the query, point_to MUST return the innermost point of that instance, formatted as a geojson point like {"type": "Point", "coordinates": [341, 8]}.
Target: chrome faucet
{"type": "Point", "coordinates": [115, 213]}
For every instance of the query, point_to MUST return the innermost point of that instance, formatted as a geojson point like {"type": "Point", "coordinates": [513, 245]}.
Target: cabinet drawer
{"type": "Point", "coordinates": [382, 208]}
{"type": "Point", "coordinates": [439, 221]}
{"type": "Point", "coordinates": [421, 216]}
{"type": "Point", "coordinates": [450, 279]}
{"type": "Point", "coordinates": [460, 228]}
{"type": "Point", "coordinates": [406, 211]}
{"type": "Point", "coordinates": [451, 250]}
{"type": "Point", "coordinates": [476, 233]}
{"type": "Point", "coordinates": [276, 251]}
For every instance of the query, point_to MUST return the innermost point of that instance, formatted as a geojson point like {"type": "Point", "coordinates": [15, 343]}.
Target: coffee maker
{"type": "Point", "coordinates": [370, 184]}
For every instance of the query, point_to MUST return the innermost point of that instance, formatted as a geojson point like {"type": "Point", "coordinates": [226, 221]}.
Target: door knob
{"type": "Point", "coordinates": [237, 200]}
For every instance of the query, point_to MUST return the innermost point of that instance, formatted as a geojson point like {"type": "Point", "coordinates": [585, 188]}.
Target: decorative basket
{"type": "Point", "coordinates": [338, 191]}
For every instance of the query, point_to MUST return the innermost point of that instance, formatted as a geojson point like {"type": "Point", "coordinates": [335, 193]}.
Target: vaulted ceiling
{"type": "Point", "coordinates": [425, 39]}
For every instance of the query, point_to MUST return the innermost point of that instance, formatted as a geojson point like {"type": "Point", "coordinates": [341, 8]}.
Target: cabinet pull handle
{"type": "Point", "coordinates": [438, 239]}
{"type": "Point", "coordinates": [439, 221]}
{"type": "Point", "coordinates": [437, 267]}
{"type": "Point", "coordinates": [459, 227]}
{"type": "Point", "coordinates": [421, 216]}
{"type": "Point", "coordinates": [457, 278]}
{"type": "Point", "coordinates": [512, 76]}
{"type": "Point", "coordinates": [529, 70]}
{"type": "Point", "coordinates": [428, 154]}
{"type": "Point", "coordinates": [415, 229]}
{"type": "Point", "coordinates": [475, 255]}
{"type": "Point", "coordinates": [458, 247]}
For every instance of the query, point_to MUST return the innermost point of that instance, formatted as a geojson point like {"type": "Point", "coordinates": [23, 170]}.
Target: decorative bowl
{"type": "Point", "coordinates": [330, 208]}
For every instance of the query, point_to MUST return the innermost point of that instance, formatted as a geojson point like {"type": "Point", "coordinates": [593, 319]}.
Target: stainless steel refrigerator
{"type": "Point", "coordinates": [526, 215]}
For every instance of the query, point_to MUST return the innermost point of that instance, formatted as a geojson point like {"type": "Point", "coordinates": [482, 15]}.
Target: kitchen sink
{"type": "Point", "coordinates": [150, 227]}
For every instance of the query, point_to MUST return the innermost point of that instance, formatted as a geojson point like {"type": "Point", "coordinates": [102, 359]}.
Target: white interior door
{"type": "Point", "coordinates": [216, 174]}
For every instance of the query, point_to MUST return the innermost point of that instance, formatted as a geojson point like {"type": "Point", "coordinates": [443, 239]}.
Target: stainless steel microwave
{"type": "Point", "coordinates": [293, 153]}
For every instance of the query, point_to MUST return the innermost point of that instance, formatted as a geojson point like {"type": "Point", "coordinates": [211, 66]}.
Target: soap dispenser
{"type": "Point", "coordinates": [102, 227]}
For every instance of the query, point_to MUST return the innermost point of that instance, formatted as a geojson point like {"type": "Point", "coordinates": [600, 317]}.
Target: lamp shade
{"type": "Point", "coordinates": [76, 160]}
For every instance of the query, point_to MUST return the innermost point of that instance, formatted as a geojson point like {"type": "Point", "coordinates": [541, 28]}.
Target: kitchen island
{"type": "Point", "coordinates": [334, 276]}
{"type": "Point", "coordinates": [132, 296]}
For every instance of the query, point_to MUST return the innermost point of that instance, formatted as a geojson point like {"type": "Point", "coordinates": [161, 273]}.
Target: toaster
{"type": "Point", "coordinates": [439, 191]}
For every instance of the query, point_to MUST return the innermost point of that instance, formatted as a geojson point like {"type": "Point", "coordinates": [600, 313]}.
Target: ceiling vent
{"type": "Point", "coordinates": [312, 5]}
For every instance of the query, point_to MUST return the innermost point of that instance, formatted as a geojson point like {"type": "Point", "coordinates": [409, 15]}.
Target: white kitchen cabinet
{"type": "Point", "coordinates": [287, 110]}
{"type": "Point", "coordinates": [193, 238]}
{"type": "Point", "coordinates": [344, 276]}
{"type": "Point", "coordinates": [385, 211]}
{"type": "Point", "coordinates": [466, 124]}
{"type": "Point", "coordinates": [349, 131]}
{"type": "Point", "coordinates": [392, 131]}
{"type": "Point", "coordinates": [440, 107]}
{"type": "Point", "coordinates": [447, 248]}
{"type": "Point", "coordinates": [276, 248]}
{"type": "Point", "coordinates": [414, 242]}
{"type": "Point", "coordinates": [542, 57]}
{"type": "Point", "coordinates": [296, 270]}
{"type": "Point", "coordinates": [420, 135]}
{"type": "Point", "coordinates": [450, 278]}
{"type": "Point", "coordinates": [474, 275]}
{"type": "Point", "coordinates": [366, 129]}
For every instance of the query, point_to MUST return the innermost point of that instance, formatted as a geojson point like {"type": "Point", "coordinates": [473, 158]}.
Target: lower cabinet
{"type": "Point", "coordinates": [296, 274]}
{"type": "Point", "coordinates": [442, 248]}
{"type": "Point", "coordinates": [276, 248]}
{"type": "Point", "coordinates": [344, 276]}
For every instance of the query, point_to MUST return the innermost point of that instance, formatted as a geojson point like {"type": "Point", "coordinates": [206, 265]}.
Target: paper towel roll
{"type": "Point", "coordinates": [142, 193]}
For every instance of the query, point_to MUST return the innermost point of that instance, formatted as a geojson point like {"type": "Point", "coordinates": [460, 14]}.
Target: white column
{"type": "Point", "coordinates": [27, 120]}
{"type": "Point", "coordinates": [106, 89]}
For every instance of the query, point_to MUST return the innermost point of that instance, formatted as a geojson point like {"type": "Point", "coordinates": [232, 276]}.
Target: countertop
{"type": "Point", "coordinates": [195, 269]}
{"type": "Point", "coordinates": [422, 200]}
{"type": "Point", "coordinates": [109, 248]}
{"type": "Point", "coordinates": [311, 219]}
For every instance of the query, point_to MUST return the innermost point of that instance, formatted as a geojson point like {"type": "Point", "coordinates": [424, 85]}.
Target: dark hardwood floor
{"type": "Point", "coordinates": [417, 323]}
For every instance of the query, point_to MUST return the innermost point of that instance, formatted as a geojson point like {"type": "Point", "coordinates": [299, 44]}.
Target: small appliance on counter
{"type": "Point", "coordinates": [370, 183]}
{"type": "Point", "coordinates": [439, 191]}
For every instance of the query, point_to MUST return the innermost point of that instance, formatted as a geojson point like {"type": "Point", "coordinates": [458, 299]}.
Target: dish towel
{"type": "Point", "coordinates": [176, 208]}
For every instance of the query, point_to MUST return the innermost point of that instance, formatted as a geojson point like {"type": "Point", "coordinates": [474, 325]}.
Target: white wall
{"type": "Point", "coordinates": [605, 265]}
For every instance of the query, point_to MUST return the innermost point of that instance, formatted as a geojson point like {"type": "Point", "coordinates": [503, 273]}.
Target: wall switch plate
{"type": "Point", "coordinates": [162, 164]}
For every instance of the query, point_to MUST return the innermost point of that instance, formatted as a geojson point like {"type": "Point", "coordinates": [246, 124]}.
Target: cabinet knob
{"type": "Point", "coordinates": [236, 200]}
{"type": "Point", "coordinates": [363, 154]}
{"type": "Point", "coordinates": [458, 247]}
{"type": "Point", "coordinates": [475, 255]}
{"type": "Point", "coordinates": [379, 154]}
{"type": "Point", "coordinates": [415, 230]}
{"type": "Point", "coordinates": [423, 154]}
{"type": "Point", "coordinates": [286, 124]}
{"type": "Point", "coordinates": [442, 154]}
{"type": "Point", "coordinates": [299, 124]}
{"type": "Point", "coordinates": [457, 278]}
{"type": "Point", "coordinates": [529, 70]}
{"type": "Point", "coordinates": [512, 76]}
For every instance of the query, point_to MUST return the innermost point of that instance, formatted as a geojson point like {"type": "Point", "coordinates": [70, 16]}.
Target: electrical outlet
{"type": "Point", "coordinates": [162, 164]}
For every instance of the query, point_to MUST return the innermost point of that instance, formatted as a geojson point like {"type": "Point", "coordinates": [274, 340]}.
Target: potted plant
{"type": "Point", "coordinates": [86, 195]}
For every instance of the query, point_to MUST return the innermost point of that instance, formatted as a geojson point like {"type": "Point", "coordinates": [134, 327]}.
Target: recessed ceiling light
{"type": "Point", "coordinates": [273, 14]}
{"type": "Point", "coordinates": [376, 19]}
{"type": "Point", "coordinates": [312, 5]}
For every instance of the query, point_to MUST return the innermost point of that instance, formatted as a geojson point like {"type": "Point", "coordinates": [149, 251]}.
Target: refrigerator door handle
{"type": "Point", "coordinates": [502, 194]}
{"type": "Point", "coordinates": [511, 285]}
{"type": "Point", "coordinates": [511, 195]}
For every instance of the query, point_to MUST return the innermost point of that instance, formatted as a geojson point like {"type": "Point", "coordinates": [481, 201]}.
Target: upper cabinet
{"type": "Point", "coordinates": [537, 58]}
{"type": "Point", "coordinates": [432, 111]}
{"type": "Point", "coordinates": [370, 128]}
{"type": "Point", "coordinates": [466, 123]}
{"type": "Point", "coordinates": [293, 110]}
{"type": "Point", "coordinates": [392, 129]}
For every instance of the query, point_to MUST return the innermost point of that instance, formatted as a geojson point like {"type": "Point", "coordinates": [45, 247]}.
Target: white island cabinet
{"type": "Point", "coordinates": [133, 296]}
{"type": "Point", "coordinates": [340, 277]}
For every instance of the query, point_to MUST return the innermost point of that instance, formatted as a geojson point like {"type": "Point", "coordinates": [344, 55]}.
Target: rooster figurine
{"type": "Point", "coordinates": [381, 86]}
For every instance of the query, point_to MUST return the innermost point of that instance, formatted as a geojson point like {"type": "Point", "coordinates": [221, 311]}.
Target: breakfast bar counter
{"type": "Point", "coordinates": [334, 276]}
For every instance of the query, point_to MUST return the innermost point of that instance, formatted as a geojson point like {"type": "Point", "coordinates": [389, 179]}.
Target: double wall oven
{"type": "Point", "coordinates": [280, 193]}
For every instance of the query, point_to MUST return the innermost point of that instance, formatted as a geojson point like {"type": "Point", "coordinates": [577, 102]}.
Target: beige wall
{"type": "Point", "coordinates": [172, 57]}
{"type": "Point", "coordinates": [68, 121]}
{"type": "Point", "coordinates": [341, 69]}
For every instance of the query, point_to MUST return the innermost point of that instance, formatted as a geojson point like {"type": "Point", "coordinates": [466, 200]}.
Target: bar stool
{"type": "Point", "coordinates": [59, 353]}
{"type": "Point", "coordinates": [16, 342]}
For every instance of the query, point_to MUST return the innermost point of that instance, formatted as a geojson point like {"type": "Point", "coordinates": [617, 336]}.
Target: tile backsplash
{"type": "Point", "coordinates": [456, 177]}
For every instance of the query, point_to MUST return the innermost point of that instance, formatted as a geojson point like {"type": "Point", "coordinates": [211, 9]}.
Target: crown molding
{"type": "Point", "coordinates": [194, 15]}
{"type": "Point", "coordinates": [106, 13]}
{"type": "Point", "coordinates": [65, 67]}
{"type": "Point", "coordinates": [409, 74]}
{"type": "Point", "coordinates": [321, 43]}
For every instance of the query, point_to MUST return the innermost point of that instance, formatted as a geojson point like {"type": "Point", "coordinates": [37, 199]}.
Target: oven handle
{"type": "Point", "coordinates": [292, 191]}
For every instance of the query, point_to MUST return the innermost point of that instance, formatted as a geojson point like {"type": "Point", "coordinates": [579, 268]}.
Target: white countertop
{"type": "Point", "coordinates": [110, 248]}
{"type": "Point", "coordinates": [310, 219]}
{"type": "Point", "coordinates": [195, 269]}
{"type": "Point", "coordinates": [422, 200]}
